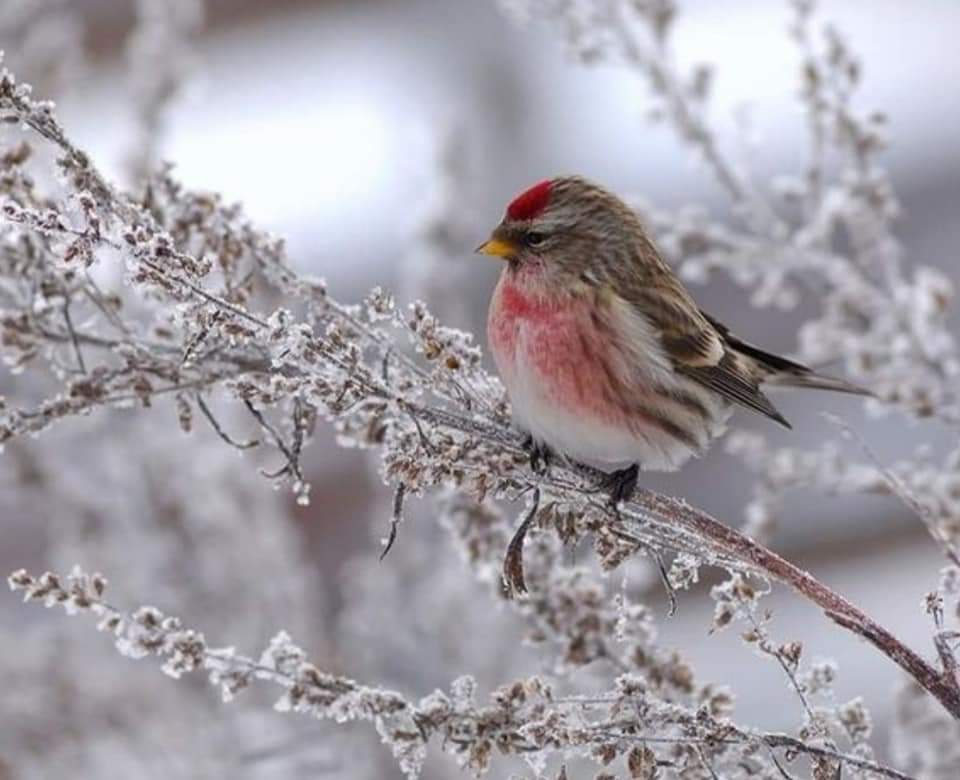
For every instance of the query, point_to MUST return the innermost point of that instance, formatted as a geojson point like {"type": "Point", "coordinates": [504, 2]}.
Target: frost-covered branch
{"type": "Point", "coordinates": [166, 297]}
{"type": "Point", "coordinates": [827, 234]}
{"type": "Point", "coordinates": [440, 420]}
{"type": "Point", "coordinates": [524, 717]}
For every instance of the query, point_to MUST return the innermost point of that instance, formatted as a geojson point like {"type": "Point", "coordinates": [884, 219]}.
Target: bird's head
{"type": "Point", "coordinates": [565, 228]}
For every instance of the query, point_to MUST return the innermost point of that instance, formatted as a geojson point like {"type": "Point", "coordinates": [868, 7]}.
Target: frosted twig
{"type": "Point", "coordinates": [307, 361]}
{"type": "Point", "coordinates": [517, 719]}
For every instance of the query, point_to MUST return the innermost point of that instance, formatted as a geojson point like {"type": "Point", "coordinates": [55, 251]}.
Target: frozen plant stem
{"type": "Point", "coordinates": [407, 727]}
{"type": "Point", "coordinates": [943, 685]}
{"type": "Point", "coordinates": [320, 366]}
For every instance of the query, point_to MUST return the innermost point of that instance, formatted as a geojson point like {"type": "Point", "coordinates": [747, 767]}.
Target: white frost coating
{"type": "Point", "coordinates": [189, 527]}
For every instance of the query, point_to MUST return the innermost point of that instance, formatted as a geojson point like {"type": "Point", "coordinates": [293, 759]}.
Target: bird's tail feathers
{"type": "Point", "coordinates": [778, 371]}
{"type": "Point", "coordinates": [812, 380]}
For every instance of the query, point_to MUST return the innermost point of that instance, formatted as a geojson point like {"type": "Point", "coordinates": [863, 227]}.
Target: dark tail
{"type": "Point", "coordinates": [810, 379]}
{"type": "Point", "coordinates": [781, 372]}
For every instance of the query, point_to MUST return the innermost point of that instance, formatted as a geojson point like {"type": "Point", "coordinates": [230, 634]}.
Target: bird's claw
{"type": "Point", "coordinates": [539, 455]}
{"type": "Point", "coordinates": [621, 484]}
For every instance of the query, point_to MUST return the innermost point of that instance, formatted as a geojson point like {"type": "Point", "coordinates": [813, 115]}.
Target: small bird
{"type": "Point", "coordinates": [606, 357]}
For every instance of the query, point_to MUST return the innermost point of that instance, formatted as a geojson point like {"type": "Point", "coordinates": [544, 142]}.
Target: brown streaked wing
{"type": "Point", "coordinates": [695, 343]}
{"type": "Point", "coordinates": [734, 377]}
{"type": "Point", "coordinates": [734, 382]}
{"type": "Point", "coordinates": [688, 338]}
{"type": "Point", "coordinates": [698, 349]}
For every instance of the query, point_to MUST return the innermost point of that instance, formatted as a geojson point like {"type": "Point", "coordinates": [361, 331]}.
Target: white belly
{"type": "Point", "coordinates": [588, 438]}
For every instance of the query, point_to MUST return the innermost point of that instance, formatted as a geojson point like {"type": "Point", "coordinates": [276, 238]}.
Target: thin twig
{"type": "Point", "coordinates": [396, 517]}
{"type": "Point", "coordinates": [291, 465]}
{"type": "Point", "coordinates": [675, 514]}
{"type": "Point", "coordinates": [240, 445]}
{"type": "Point", "coordinates": [901, 491]}
{"type": "Point", "coordinates": [207, 296]}
{"type": "Point", "coordinates": [776, 762]}
{"type": "Point", "coordinates": [513, 579]}
{"type": "Point", "coordinates": [770, 741]}
{"type": "Point", "coordinates": [73, 337]}
{"type": "Point", "coordinates": [654, 553]}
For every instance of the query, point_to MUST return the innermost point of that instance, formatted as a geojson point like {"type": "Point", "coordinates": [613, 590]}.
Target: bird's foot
{"type": "Point", "coordinates": [621, 484]}
{"type": "Point", "coordinates": [540, 455]}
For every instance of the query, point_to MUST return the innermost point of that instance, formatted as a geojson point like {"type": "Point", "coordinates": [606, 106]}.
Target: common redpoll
{"type": "Point", "coordinates": [606, 357]}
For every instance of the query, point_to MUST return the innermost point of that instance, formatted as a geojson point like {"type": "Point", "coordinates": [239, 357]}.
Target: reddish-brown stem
{"type": "Point", "coordinates": [942, 685]}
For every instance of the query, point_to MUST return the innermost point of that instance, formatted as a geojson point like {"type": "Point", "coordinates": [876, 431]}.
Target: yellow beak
{"type": "Point", "coordinates": [497, 248]}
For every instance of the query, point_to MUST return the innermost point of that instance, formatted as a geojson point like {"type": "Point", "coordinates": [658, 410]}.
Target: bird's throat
{"type": "Point", "coordinates": [518, 301]}
{"type": "Point", "coordinates": [524, 293]}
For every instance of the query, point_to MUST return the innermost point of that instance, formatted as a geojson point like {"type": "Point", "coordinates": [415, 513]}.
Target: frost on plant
{"type": "Point", "coordinates": [169, 303]}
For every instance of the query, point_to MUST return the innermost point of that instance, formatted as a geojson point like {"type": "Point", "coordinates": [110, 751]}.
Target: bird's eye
{"type": "Point", "coordinates": [534, 239]}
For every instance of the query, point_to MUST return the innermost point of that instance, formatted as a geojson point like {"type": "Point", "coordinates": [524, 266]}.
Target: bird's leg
{"type": "Point", "coordinates": [540, 455]}
{"type": "Point", "coordinates": [621, 484]}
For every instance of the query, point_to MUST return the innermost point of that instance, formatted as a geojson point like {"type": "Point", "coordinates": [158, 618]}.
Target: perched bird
{"type": "Point", "coordinates": [605, 355]}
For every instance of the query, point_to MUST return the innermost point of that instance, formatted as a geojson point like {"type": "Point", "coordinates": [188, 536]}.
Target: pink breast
{"type": "Point", "coordinates": [556, 341]}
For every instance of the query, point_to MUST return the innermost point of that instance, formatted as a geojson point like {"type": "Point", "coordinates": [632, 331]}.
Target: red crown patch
{"type": "Point", "coordinates": [530, 203]}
